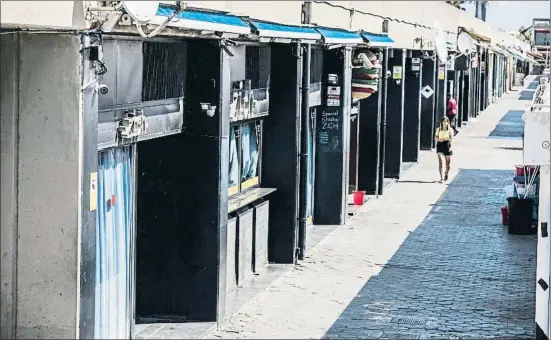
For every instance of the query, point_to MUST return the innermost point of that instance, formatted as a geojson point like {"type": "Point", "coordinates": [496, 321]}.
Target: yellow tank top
{"type": "Point", "coordinates": [443, 134]}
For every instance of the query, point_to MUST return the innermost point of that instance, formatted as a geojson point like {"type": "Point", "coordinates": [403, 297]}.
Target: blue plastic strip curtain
{"type": "Point", "coordinates": [113, 262]}
{"type": "Point", "coordinates": [310, 172]}
{"type": "Point", "coordinates": [234, 160]}
{"type": "Point", "coordinates": [250, 151]}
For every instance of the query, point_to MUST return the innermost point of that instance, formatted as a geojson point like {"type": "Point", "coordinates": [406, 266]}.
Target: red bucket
{"type": "Point", "coordinates": [528, 170]}
{"type": "Point", "coordinates": [505, 215]}
{"type": "Point", "coordinates": [359, 197]}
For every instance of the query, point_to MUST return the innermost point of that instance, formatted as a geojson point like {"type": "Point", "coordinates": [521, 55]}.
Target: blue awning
{"type": "Point", "coordinates": [203, 21]}
{"type": "Point", "coordinates": [271, 30]}
{"type": "Point", "coordinates": [377, 40]}
{"type": "Point", "coordinates": [338, 36]}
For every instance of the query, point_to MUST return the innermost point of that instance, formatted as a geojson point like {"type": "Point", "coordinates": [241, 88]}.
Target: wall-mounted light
{"type": "Point", "coordinates": [208, 109]}
{"type": "Point", "coordinates": [390, 53]}
{"type": "Point", "coordinates": [410, 54]}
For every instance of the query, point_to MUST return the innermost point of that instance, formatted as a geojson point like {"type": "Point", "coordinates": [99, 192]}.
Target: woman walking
{"type": "Point", "coordinates": [443, 138]}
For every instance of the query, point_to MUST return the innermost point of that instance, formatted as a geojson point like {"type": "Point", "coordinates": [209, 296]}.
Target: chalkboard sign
{"type": "Point", "coordinates": [329, 130]}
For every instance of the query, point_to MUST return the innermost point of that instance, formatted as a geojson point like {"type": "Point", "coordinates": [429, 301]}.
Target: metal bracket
{"type": "Point", "coordinates": [544, 232]}
{"type": "Point", "coordinates": [132, 126]}
{"type": "Point", "coordinates": [225, 44]}
{"type": "Point", "coordinates": [543, 284]}
{"type": "Point", "coordinates": [297, 51]}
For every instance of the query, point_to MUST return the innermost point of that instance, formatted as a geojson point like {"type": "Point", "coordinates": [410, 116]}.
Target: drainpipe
{"type": "Point", "coordinates": [304, 135]}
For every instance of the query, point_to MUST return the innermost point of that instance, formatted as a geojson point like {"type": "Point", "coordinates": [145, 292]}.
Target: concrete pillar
{"type": "Point", "coordinates": [427, 105]}
{"type": "Point", "coordinates": [9, 130]}
{"type": "Point", "coordinates": [395, 114]}
{"type": "Point", "coordinates": [370, 139]}
{"type": "Point", "coordinates": [333, 140]}
{"type": "Point", "coordinates": [477, 83]}
{"type": "Point", "coordinates": [441, 78]}
{"type": "Point", "coordinates": [412, 106]}
{"type": "Point", "coordinates": [41, 119]}
{"type": "Point", "coordinates": [384, 104]}
{"type": "Point", "coordinates": [461, 95]}
{"type": "Point", "coordinates": [206, 143]}
{"type": "Point", "coordinates": [483, 80]}
{"type": "Point", "coordinates": [281, 147]}
{"type": "Point", "coordinates": [466, 97]}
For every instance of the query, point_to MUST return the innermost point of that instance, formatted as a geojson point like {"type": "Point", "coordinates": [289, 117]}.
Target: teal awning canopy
{"type": "Point", "coordinates": [339, 36]}
{"type": "Point", "coordinates": [204, 21]}
{"type": "Point", "coordinates": [377, 40]}
{"type": "Point", "coordinates": [272, 30]}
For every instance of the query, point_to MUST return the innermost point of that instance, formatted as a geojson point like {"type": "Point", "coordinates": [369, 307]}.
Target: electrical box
{"type": "Point", "coordinates": [536, 137]}
{"type": "Point", "coordinates": [462, 63]}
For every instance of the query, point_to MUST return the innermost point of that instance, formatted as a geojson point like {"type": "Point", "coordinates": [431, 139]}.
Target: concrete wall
{"type": "Point", "coordinates": [340, 14]}
{"type": "Point", "coordinates": [8, 184]}
{"type": "Point", "coordinates": [40, 188]}
{"type": "Point", "coordinates": [44, 13]}
{"type": "Point", "coordinates": [367, 15]}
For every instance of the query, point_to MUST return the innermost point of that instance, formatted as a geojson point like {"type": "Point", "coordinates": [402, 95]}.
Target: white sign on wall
{"type": "Point", "coordinates": [427, 91]}
{"type": "Point", "coordinates": [536, 138]}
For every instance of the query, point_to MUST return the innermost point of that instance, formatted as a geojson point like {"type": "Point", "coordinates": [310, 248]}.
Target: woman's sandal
{"type": "Point", "coordinates": [446, 177]}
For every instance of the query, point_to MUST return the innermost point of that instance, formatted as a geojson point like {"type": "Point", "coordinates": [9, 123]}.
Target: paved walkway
{"type": "Point", "coordinates": [426, 260]}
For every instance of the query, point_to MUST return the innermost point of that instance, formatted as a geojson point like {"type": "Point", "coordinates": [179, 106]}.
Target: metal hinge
{"type": "Point", "coordinates": [297, 51]}
{"type": "Point", "coordinates": [132, 126]}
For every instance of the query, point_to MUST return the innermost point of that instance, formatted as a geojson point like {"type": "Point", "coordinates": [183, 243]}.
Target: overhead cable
{"type": "Point", "coordinates": [378, 16]}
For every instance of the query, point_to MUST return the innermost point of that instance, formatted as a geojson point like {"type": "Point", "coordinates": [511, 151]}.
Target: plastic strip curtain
{"type": "Point", "coordinates": [114, 226]}
{"type": "Point", "coordinates": [250, 151]}
{"type": "Point", "coordinates": [234, 160]}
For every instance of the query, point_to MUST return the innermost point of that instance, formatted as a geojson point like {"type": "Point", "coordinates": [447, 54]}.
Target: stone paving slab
{"type": "Point", "coordinates": [424, 261]}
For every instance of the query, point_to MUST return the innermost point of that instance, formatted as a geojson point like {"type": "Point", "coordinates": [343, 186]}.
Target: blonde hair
{"type": "Point", "coordinates": [444, 119]}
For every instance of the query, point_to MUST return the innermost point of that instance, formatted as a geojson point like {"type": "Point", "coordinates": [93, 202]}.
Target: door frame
{"type": "Point", "coordinates": [133, 240]}
{"type": "Point", "coordinates": [312, 112]}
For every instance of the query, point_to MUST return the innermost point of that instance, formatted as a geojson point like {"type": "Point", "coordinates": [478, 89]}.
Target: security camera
{"type": "Point", "coordinates": [103, 89]}
{"type": "Point", "coordinates": [388, 74]}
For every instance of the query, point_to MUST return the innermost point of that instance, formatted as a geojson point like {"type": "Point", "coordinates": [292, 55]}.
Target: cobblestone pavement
{"type": "Point", "coordinates": [424, 261]}
{"type": "Point", "coordinates": [458, 274]}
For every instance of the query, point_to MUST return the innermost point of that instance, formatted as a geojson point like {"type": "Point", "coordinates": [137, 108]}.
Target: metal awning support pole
{"type": "Point", "coordinates": [304, 137]}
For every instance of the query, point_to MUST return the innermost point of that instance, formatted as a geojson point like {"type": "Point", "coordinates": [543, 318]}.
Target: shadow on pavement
{"type": "Point", "coordinates": [526, 95]}
{"type": "Point", "coordinates": [534, 84]}
{"type": "Point", "coordinates": [509, 148]}
{"type": "Point", "coordinates": [418, 182]}
{"type": "Point", "coordinates": [458, 275]}
{"type": "Point", "coordinates": [510, 126]}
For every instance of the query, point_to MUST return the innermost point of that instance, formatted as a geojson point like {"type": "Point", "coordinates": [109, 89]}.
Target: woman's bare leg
{"type": "Point", "coordinates": [439, 155]}
{"type": "Point", "coordinates": [448, 162]}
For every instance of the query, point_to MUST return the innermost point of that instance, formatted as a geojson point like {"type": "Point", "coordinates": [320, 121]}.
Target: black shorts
{"type": "Point", "coordinates": [444, 148]}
